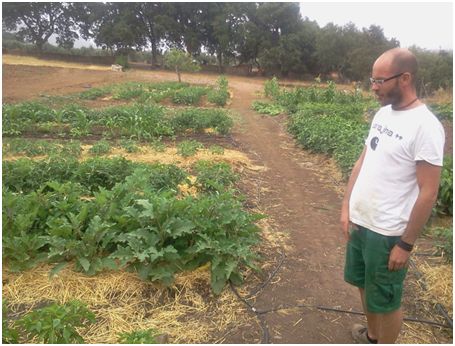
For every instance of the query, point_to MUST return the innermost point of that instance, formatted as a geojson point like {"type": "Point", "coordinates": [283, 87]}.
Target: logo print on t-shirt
{"type": "Point", "coordinates": [374, 143]}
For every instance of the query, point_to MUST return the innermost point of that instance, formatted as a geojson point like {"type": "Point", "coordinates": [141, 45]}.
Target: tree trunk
{"type": "Point", "coordinates": [154, 53]}
{"type": "Point", "coordinates": [178, 73]}
{"type": "Point", "coordinates": [220, 61]}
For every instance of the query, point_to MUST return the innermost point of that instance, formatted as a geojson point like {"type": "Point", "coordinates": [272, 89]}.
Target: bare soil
{"type": "Point", "coordinates": [298, 192]}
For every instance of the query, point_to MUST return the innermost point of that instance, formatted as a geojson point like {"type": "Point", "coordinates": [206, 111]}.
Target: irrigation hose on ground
{"type": "Point", "coordinates": [260, 313]}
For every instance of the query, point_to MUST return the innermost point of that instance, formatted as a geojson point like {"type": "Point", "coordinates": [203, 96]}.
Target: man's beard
{"type": "Point", "coordinates": [392, 97]}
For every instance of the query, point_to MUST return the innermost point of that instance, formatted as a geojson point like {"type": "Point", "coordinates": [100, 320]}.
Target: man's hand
{"type": "Point", "coordinates": [398, 258]}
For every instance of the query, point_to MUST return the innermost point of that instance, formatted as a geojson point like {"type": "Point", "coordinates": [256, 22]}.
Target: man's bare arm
{"type": "Point", "coordinates": [428, 177]}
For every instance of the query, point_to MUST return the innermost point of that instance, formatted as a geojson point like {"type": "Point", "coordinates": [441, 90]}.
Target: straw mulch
{"type": "Point", "coordinates": [187, 311]}
{"type": "Point", "coordinates": [426, 285]}
{"type": "Point", "coordinates": [170, 156]}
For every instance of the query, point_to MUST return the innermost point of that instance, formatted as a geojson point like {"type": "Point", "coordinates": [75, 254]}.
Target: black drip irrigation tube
{"type": "Point", "coordinates": [260, 313]}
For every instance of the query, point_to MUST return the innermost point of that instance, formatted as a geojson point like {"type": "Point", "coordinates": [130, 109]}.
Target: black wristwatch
{"type": "Point", "coordinates": [405, 246]}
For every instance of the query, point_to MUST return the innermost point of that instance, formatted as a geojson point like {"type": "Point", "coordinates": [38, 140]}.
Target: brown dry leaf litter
{"type": "Point", "coordinates": [187, 311]}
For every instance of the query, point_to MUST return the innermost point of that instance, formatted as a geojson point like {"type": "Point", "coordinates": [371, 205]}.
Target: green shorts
{"type": "Point", "coordinates": [367, 257]}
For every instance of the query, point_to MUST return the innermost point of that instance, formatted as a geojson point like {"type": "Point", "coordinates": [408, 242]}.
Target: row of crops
{"type": "Point", "coordinates": [326, 120]}
{"type": "Point", "coordinates": [177, 93]}
{"type": "Point", "coordinates": [113, 213]}
{"type": "Point", "coordinates": [100, 213]}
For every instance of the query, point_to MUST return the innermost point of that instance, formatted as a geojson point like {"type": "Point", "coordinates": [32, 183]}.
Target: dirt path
{"type": "Point", "coordinates": [301, 202]}
{"type": "Point", "coordinates": [293, 192]}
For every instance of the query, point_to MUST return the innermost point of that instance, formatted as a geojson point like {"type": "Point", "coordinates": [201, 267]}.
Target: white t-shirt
{"type": "Point", "coordinates": [386, 188]}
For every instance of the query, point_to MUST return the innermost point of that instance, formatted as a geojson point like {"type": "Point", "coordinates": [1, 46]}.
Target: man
{"type": "Point", "coordinates": [390, 194]}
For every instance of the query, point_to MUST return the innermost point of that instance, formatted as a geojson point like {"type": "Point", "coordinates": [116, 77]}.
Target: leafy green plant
{"type": "Point", "coordinates": [214, 177]}
{"type": "Point", "coordinates": [272, 88]}
{"type": "Point", "coordinates": [94, 93]}
{"type": "Point", "coordinates": [129, 145]}
{"type": "Point", "coordinates": [220, 94]}
{"type": "Point", "coordinates": [444, 203]}
{"type": "Point", "coordinates": [188, 147]}
{"type": "Point", "coordinates": [444, 242]}
{"type": "Point", "coordinates": [56, 324]}
{"type": "Point", "coordinates": [128, 91]}
{"type": "Point", "coordinates": [267, 108]}
{"type": "Point", "coordinates": [9, 333]}
{"type": "Point", "coordinates": [189, 96]}
{"type": "Point", "coordinates": [140, 222]}
{"type": "Point", "coordinates": [198, 119]}
{"type": "Point", "coordinates": [139, 337]}
{"type": "Point", "coordinates": [157, 145]}
{"type": "Point", "coordinates": [216, 149]}
{"type": "Point", "coordinates": [443, 110]}
{"type": "Point", "coordinates": [101, 147]}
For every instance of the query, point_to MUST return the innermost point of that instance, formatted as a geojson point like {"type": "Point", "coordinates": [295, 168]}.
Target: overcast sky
{"type": "Point", "coordinates": [425, 24]}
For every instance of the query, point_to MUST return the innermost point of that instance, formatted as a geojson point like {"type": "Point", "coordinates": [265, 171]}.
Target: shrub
{"type": "Point", "coordinates": [220, 94]}
{"type": "Point", "coordinates": [272, 89]}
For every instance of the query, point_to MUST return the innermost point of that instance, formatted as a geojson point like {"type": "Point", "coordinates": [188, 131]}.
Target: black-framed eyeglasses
{"type": "Point", "coordinates": [382, 81]}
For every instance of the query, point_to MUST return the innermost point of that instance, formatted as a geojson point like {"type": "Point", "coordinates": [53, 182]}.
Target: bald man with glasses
{"type": "Point", "coordinates": [390, 194]}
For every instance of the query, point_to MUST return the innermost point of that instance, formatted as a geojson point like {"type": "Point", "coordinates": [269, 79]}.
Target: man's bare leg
{"type": "Point", "coordinates": [373, 320]}
{"type": "Point", "coordinates": [390, 326]}
{"type": "Point", "coordinates": [382, 327]}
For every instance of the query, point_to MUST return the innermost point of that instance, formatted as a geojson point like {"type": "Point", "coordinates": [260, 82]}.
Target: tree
{"type": "Point", "coordinates": [179, 61]}
{"type": "Point", "coordinates": [36, 22]}
{"type": "Point", "coordinates": [158, 21]}
{"type": "Point", "coordinates": [113, 26]}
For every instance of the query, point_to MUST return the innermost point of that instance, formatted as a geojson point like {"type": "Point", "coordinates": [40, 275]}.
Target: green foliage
{"type": "Point", "coordinates": [179, 61]}
{"type": "Point", "coordinates": [271, 88]}
{"type": "Point", "coordinates": [138, 337]}
{"type": "Point", "coordinates": [188, 148]}
{"type": "Point", "coordinates": [138, 223]}
{"type": "Point", "coordinates": [189, 96]}
{"type": "Point", "coordinates": [157, 145]}
{"type": "Point", "coordinates": [129, 145]}
{"type": "Point", "coordinates": [267, 108]}
{"type": "Point", "coordinates": [442, 110]}
{"type": "Point", "coordinates": [444, 242]}
{"type": "Point", "coordinates": [56, 324]}
{"type": "Point", "coordinates": [139, 121]}
{"type": "Point", "coordinates": [101, 147]}
{"type": "Point", "coordinates": [25, 175]}
{"type": "Point", "coordinates": [198, 119]}
{"type": "Point", "coordinates": [444, 203]}
{"type": "Point", "coordinates": [216, 149]}
{"type": "Point", "coordinates": [330, 134]}
{"type": "Point", "coordinates": [142, 120]}
{"type": "Point", "coordinates": [122, 60]}
{"type": "Point", "coordinates": [220, 94]}
{"type": "Point", "coordinates": [17, 118]}
{"type": "Point", "coordinates": [94, 93]}
{"type": "Point", "coordinates": [9, 333]}
{"type": "Point", "coordinates": [214, 177]}
{"type": "Point", "coordinates": [128, 91]}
